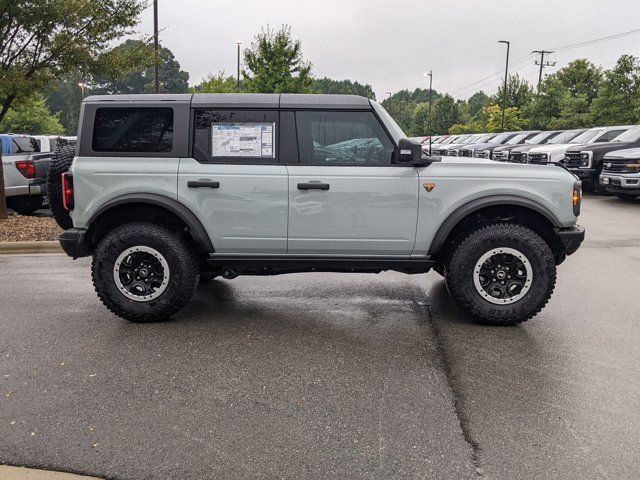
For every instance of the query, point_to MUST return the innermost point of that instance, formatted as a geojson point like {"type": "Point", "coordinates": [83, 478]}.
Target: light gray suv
{"type": "Point", "coordinates": [169, 190]}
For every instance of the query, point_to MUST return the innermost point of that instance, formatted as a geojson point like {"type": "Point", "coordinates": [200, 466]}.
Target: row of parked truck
{"type": "Point", "coordinates": [606, 158]}
{"type": "Point", "coordinates": [25, 163]}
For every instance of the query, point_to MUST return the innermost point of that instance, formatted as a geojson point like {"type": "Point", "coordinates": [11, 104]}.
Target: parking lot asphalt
{"type": "Point", "coordinates": [328, 375]}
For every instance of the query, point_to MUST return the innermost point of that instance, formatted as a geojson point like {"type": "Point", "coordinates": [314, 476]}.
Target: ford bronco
{"type": "Point", "coordinates": [169, 190]}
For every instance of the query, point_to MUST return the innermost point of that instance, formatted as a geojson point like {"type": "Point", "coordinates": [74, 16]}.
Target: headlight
{"type": "Point", "coordinates": [544, 156]}
{"type": "Point", "coordinates": [585, 159]}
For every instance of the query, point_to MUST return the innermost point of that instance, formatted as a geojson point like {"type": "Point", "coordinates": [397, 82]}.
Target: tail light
{"type": "Point", "coordinates": [67, 190]}
{"type": "Point", "coordinates": [27, 168]}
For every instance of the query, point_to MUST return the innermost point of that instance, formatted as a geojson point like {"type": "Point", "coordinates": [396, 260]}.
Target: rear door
{"type": "Point", "coordinates": [234, 182]}
{"type": "Point", "coordinates": [346, 197]}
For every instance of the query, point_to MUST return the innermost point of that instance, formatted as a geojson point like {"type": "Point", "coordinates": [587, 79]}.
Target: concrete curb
{"type": "Point", "coordinates": [30, 247]}
{"type": "Point", "coordinates": [21, 473]}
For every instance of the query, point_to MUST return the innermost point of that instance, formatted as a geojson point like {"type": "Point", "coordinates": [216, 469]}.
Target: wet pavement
{"type": "Point", "coordinates": [328, 375]}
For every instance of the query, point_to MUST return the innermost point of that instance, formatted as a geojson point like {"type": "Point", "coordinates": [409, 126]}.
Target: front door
{"type": "Point", "coordinates": [234, 183]}
{"type": "Point", "coordinates": [346, 197]}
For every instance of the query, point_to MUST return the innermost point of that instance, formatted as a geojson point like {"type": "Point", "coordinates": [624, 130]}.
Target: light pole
{"type": "Point", "coordinates": [430, 75]}
{"type": "Point", "coordinates": [506, 74]}
{"type": "Point", "coordinates": [238, 72]}
{"type": "Point", "coordinates": [155, 45]}
{"type": "Point", "coordinates": [82, 86]}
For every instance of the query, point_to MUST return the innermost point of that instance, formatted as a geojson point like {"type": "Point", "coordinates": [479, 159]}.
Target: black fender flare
{"type": "Point", "coordinates": [196, 228]}
{"type": "Point", "coordinates": [474, 205]}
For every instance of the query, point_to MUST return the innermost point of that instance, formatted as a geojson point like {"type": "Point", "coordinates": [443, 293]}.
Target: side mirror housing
{"type": "Point", "coordinates": [409, 152]}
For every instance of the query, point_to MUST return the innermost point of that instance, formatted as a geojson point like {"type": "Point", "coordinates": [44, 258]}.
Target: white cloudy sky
{"type": "Point", "coordinates": [390, 44]}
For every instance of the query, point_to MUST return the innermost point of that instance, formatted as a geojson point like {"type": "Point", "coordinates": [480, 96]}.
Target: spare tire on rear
{"type": "Point", "coordinates": [60, 163]}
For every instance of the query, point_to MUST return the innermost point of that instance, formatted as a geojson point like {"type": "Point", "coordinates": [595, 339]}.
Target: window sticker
{"type": "Point", "coordinates": [242, 139]}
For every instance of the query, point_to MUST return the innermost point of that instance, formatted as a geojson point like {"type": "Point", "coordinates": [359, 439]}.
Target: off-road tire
{"type": "Point", "coordinates": [460, 272]}
{"type": "Point", "coordinates": [60, 163]}
{"type": "Point", "coordinates": [626, 196]}
{"type": "Point", "coordinates": [176, 250]}
{"type": "Point", "coordinates": [25, 205]}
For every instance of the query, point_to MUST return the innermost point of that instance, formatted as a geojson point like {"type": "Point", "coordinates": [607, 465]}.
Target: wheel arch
{"type": "Point", "coordinates": [145, 206]}
{"type": "Point", "coordinates": [526, 211]}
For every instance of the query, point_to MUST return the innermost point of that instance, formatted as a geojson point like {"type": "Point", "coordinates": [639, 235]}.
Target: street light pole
{"type": "Point", "coordinates": [238, 72]}
{"type": "Point", "coordinates": [155, 45]}
{"type": "Point", "coordinates": [506, 75]}
{"type": "Point", "coordinates": [430, 75]}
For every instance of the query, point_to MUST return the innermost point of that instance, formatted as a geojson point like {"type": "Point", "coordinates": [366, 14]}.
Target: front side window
{"type": "Point", "coordinates": [225, 136]}
{"type": "Point", "coordinates": [342, 138]}
{"type": "Point", "coordinates": [133, 130]}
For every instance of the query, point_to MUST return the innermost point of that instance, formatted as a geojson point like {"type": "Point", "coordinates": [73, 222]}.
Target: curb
{"type": "Point", "coordinates": [30, 247]}
{"type": "Point", "coordinates": [22, 473]}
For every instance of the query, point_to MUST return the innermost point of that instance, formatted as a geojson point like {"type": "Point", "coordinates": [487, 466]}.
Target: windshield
{"type": "Point", "coordinates": [485, 138]}
{"type": "Point", "coordinates": [395, 131]}
{"type": "Point", "coordinates": [503, 137]}
{"type": "Point", "coordinates": [564, 137]}
{"type": "Point", "coordinates": [539, 138]}
{"type": "Point", "coordinates": [25, 145]}
{"type": "Point", "coordinates": [472, 139]}
{"type": "Point", "coordinates": [631, 135]}
{"type": "Point", "coordinates": [517, 139]}
{"type": "Point", "coordinates": [587, 136]}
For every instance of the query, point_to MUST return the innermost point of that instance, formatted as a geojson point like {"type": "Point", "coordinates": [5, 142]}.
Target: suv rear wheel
{"type": "Point", "coordinates": [143, 272]}
{"type": "Point", "coordinates": [502, 274]}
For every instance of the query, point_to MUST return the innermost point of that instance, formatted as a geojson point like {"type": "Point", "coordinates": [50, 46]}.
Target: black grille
{"type": "Point", "coordinates": [515, 157]}
{"type": "Point", "coordinates": [537, 158]}
{"type": "Point", "coordinates": [466, 153]}
{"type": "Point", "coordinates": [572, 160]}
{"type": "Point", "coordinates": [500, 156]}
{"type": "Point", "coordinates": [620, 165]}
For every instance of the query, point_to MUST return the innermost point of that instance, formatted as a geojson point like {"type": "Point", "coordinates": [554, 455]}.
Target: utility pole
{"type": "Point", "coordinates": [430, 75]}
{"type": "Point", "coordinates": [542, 64]}
{"type": "Point", "coordinates": [155, 45]}
{"type": "Point", "coordinates": [506, 76]}
{"type": "Point", "coordinates": [238, 73]}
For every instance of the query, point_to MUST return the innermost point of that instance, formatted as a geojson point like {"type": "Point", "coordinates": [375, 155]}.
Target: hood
{"type": "Point", "coordinates": [525, 148]}
{"type": "Point", "coordinates": [601, 147]}
{"type": "Point", "coordinates": [630, 153]}
{"type": "Point", "coordinates": [560, 147]}
{"type": "Point", "coordinates": [480, 146]}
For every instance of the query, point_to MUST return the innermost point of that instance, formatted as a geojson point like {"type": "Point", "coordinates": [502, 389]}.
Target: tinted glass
{"type": "Point", "coordinates": [586, 137]}
{"type": "Point", "coordinates": [226, 136]}
{"type": "Point", "coordinates": [631, 135]}
{"type": "Point", "coordinates": [25, 145]}
{"type": "Point", "coordinates": [53, 144]}
{"type": "Point", "coordinates": [352, 138]}
{"type": "Point", "coordinates": [133, 130]}
{"type": "Point", "coordinates": [565, 137]}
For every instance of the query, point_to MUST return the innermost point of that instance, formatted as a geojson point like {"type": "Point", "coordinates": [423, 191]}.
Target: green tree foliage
{"type": "Point", "coordinates": [275, 64]}
{"type": "Point", "coordinates": [476, 103]}
{"type": "Point", "coordinates": [420, 120]}
{"type": "Point", "coordinates": [220, 83]}
{"type": "Point", "coordinates": [446, 113]}
{"type": "Point", "coordinates": [618, 98]}
{"type": "Point", "coordinates": [44, 39]}
{"type": "Point", "coordinates": [31, 116]}
{"type": "Point", "coordinates": [519, 92]}
{"type": "Point", "coordinates": [344, 87]}
{"type": "Point", "coordinates": [136, 73]}
{"type": "Point", "coordinates": [513, 119]}
{"type": "Point", "coordinates": [401, 106]}
{"type": "Point", "coordinates": [65, 99]}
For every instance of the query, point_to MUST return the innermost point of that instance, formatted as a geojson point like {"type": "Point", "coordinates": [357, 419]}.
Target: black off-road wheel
{"type": "Point", "coordinates": [144, 273]}
{"type": "Point", "coordinates": [25, 205]}
{"type": "Point", "coordinates": [60, 163]}
{"type": "Point", "coordinates": [502, 274]}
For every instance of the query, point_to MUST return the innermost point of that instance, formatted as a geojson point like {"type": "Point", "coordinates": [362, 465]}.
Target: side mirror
{"type": "Point", "coordinates": [409, 152]}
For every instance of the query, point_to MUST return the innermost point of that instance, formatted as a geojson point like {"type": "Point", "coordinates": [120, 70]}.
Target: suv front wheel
{"type": "Point", "coordinates": [144, 272]}
{"type": "Point", "coordinates": [502, 274]}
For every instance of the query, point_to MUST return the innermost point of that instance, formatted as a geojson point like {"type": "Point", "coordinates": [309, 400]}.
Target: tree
{"type": "Point", "coordinates": [41, 40]}
{"type": "Point", "coordinates": [136, 74]}
{"type": "Point", "coordinates": [327, 85]}
{"type": "Point", "coordinates": [476, 103]}
{"type": "Point", "coordinates": [618, 97]}
{"type": "Point", "coordinates": [220, 83]}
{"type": "Point", "coordinates": [65, 99]}
{"type": "Point", "coordinates": [401, 105]}
{"type": "Point", "coordinates": [446, 113]}
{"type": "Point", "coordinates": [275, 64]}
{"type": "Point", "coordinates": [420, 120]}
{"type": "Point", "coordinates": [33, 117]}
{"type": "Point", "coordinates": [519, 92]}
{"type": "Point", "coordinates": [512, 119]}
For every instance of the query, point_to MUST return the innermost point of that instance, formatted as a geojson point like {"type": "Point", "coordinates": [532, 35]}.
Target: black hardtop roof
{"type": "Point", "coordinates": [242, 100]}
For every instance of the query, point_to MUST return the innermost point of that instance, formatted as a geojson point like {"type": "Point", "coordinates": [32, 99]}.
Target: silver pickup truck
{"type": "Point", "coordinates": [169, 190]}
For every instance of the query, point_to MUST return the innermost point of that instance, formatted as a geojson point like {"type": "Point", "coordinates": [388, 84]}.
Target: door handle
{"type": "Point", "coordinates": [313, 186]}
{"type": "Point", "coordinates": [202, 184]}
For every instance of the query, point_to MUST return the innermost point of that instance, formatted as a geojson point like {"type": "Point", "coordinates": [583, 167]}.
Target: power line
{"type": "Point", "coordinates": [596, 40]}
{"type": "Point", "coordinates": [465, 87]}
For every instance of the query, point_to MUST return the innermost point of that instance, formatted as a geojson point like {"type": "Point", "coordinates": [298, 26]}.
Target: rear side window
{"type": "Point", "coordinates": [25, 145]}
{"type": "Point", "coordinates": [133, 130]}
{"type": "Point", "coordinates": [235, 136]}
{"type": "Point", "coordinates": [342, 138]}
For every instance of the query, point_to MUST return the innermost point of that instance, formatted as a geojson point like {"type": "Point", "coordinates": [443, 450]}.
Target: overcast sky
{"type": "Point", "coordinates": [390, 44]}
